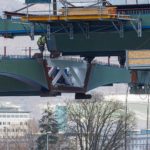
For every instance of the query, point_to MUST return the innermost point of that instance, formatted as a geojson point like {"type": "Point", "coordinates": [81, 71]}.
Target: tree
{"type": "Point", "coordinates": [99, 124]}
{"type": "Point", "coordinates": [48, 127]}
{"type": "Point", "coordinates": [30, 134]}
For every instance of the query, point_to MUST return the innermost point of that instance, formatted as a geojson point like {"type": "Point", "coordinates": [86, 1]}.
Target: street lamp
{"type": "Point", "coordinates": [47, 138]}
{"type": "Point", "coordinates": [6, 132]}
{"type": "Point", "coordinates": [47, 133]}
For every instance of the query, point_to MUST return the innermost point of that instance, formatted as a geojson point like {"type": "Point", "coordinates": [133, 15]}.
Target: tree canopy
{"type": "Point", "coordinates": [99, 124]}
{"type": "Point", "coordinates": [48, 127]}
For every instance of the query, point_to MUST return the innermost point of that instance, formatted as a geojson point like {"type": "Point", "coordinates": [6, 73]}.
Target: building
{"type": "Point", "coordinates": [13, 121]}
{"type": "Point", "coordinates": [140, 140]}
{"type": "Point", "coordinates": [61, 117]}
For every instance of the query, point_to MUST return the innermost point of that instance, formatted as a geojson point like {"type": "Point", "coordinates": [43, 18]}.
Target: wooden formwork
{"type": "Point", "coordinates": [89, 11]}
{"type": "Point", "coordinates": [138, 58]}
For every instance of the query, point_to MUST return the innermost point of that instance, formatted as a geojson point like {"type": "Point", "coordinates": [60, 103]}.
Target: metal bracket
{"type": "Point", "coordinates": [120, 29]}
{"type": "Point", "coordinates": [138, 27]}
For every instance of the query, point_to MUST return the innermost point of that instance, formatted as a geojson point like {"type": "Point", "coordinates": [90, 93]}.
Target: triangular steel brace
{"type": "Point", "coordinates": [120, 29]}
{"type": "Point", "coordinates": [138, 27]}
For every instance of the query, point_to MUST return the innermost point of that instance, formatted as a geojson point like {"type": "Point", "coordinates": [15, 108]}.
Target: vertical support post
{"type": "Point", "coordinates": [5, 51]}
{"type": "Point", "coordinates": [48, 32]}
{"type": "Point", "coordinates": [32, 31]}
{"type": "Point", "coordinates": [121, 30]}
{"type": "Point", "coordinates": [71, 35]}
{"type": "Point", "coordinates": [29, 52]}
{"type": "Point", "coordinates": [49, 9]}
{"type": "Point", "coordinates": [147, 138]}
{"type": "Point", "coordinates": [109, 60]}
{"type": "Point", "coordinates": [27, 11]}
{"type": "Point", "coordinates": [25, 51]}
{"type": "Point", "coordinates": [126, 113]}
{"type": "Point", "coordinates": [87, 31]}
{"type": "Point", "coordinates": [66, 9]}
{"type": "Point", "coordinates": [54, 7]}
{"type": "Point", "coordinates": [47, 142]}
{"type": "Point", "coordinates": [139, 28]}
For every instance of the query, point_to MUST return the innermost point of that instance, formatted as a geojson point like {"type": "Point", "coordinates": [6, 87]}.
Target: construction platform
{"type": "Point", "coordinates": [78, 14]}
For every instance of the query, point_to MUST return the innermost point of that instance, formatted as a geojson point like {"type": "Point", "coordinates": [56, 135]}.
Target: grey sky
{"type": "Point", "coordinates": [118, 1]}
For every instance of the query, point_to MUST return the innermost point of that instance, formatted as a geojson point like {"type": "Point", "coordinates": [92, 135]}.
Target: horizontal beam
{"type": "Point", "coordinates": [46, 18]}
{"type": "Point", "coordinates": [37, 1]}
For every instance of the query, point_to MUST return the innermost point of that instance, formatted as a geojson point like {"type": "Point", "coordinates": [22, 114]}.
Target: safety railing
{"type": "Point", "coordinates": [2, 57]}
{"type": "Point", "coordinates": [55, 6]}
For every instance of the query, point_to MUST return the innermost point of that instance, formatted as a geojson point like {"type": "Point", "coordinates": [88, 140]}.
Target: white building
{"type": "Point", "coordinates": [13, 121]}
{"type": "Point", "coordinates": [140, 140]}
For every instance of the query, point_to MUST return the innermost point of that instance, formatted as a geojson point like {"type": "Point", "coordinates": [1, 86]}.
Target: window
{"type": "Point", "coordinates": [8, 116]}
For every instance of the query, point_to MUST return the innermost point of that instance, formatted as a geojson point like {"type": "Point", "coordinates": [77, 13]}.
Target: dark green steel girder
{"type": "Point", "coordinates": [22, 77]}
{"type": "Point", "coordinates": [100, 43]}
{"type": "Point", "coordinates": [102, 75]}
{"type": "Point", "coordinates": [28, 76]}
{"type": "Point", "coordinates": [37, 1]}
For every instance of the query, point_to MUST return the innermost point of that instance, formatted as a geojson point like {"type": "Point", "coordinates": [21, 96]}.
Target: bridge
{"type": "Point", "coordinates": [93, 31]}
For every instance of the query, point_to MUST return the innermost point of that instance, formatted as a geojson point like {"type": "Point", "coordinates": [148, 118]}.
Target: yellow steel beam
{"type": "Point", "coordinates": [70, 17]}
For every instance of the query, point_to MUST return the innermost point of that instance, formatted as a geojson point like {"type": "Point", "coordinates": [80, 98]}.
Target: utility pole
{"type": "Point", "coordinates": [126, 113]}
{"type": "Point", "coordinates": [47, 142]}
{"type": "Point", "coordinates": [147, 139]}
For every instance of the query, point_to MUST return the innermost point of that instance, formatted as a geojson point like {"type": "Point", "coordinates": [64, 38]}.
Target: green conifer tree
{"type": "Point", "coordinates": [48, 127]}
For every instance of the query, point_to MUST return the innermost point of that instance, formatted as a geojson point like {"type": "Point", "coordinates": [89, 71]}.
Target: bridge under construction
{"type": "Point", "coordinates": [87, 30]}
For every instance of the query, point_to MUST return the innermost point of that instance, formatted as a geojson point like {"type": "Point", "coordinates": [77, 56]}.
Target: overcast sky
{"type": "Point", "coordinates": [117, 1]}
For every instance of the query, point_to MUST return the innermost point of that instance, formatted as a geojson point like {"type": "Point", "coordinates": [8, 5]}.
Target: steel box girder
{"type": "Point", "coordinates": [22, 77]}
{"type": "Point", "coordinates": [28, 77]}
